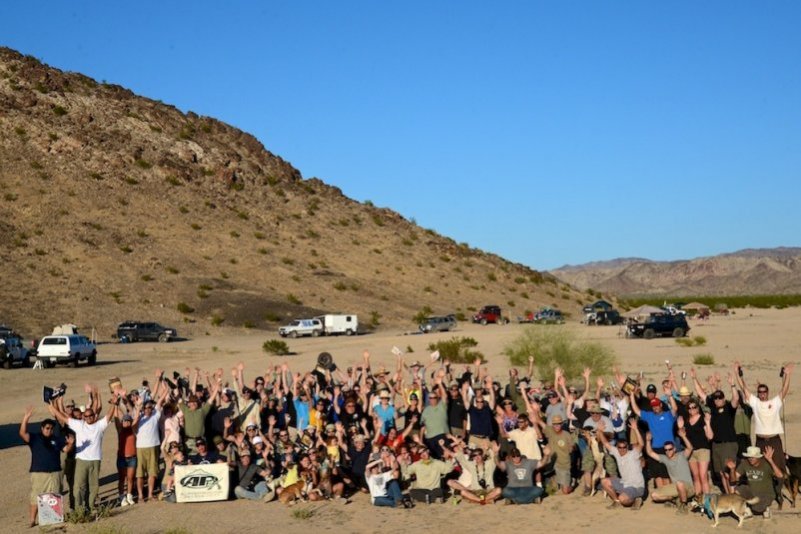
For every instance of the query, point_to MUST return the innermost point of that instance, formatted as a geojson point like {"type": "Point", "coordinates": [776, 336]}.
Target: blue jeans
{"type": "Point", "coordinates": [522, 495]}
{"type": "Point", "coordinates": [259, 491]}
{"type": "Point", "coordinates": [393, 497]}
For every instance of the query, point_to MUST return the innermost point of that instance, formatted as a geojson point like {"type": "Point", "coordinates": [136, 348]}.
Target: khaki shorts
{"type": "Point", "coordinates": [147, 461]}
{"type": "Point", "coordinates": [45, 483]}
{"type": "Point", "coordinates": [671, 491]}
{"type": "Point", "coordinates": [700, 455]}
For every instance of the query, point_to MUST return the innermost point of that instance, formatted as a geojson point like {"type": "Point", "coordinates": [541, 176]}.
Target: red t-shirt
{"type": "Point", "coordinates": [126, 444]}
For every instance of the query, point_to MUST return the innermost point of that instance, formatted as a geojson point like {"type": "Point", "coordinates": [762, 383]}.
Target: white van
{"type": "Point", "coordinates": [70, 349]}
{"type": "Point", "coordinates": [339, 324]}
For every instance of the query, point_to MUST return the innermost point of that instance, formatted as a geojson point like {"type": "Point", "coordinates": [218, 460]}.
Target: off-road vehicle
{"type": "Point", "coordinates": [660, 324]}
{"type": "Point", "coordinates": [132, 331]}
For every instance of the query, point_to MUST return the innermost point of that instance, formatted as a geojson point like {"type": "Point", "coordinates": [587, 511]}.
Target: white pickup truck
{"type": "Point", "coordinates": [13, 352]}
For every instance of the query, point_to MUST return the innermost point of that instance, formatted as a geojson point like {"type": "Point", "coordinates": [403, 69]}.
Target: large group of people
{"type": "Point", "coordinates": [420, 433]}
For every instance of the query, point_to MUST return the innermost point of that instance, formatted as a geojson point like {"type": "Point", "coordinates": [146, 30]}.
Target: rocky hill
{"type": "Point", "coordinates": [120, 207]}
{"type": "Point", "coordinates": [774, 271]}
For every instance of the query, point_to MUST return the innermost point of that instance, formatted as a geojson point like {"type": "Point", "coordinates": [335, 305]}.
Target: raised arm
{"type": "Point", "coordinates": [23, 427]}
{"type": "Point", "coordinates": [56, 412]}
{"type": "Point", "coordinates": [648, 449]}
{"type": "Point", "coordinates": [633, 404]}
{"type": "Point", "coordinates": [788, 370]}
{"type": "Point", "coordinates": [530, 373]}
{"type": "Point", "coordinates": [740, 381]}
{"type": "Point", "coordinates": [735, 393]}
{"type": "Point", "coordinates": [699, 389]}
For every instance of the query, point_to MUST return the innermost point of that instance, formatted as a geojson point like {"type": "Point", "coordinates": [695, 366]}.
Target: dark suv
{"type": "Point", "coordinates": [131, 331]}
{"type": "Point", "coordinates": [660, 325]}
{"type": "Point", "coordinates": [490, 314]}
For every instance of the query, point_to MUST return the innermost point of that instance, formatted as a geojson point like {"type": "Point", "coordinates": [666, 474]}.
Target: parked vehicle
{"type": "Point", "coordinates": [598, 305]}
{"type": "Point", "coordinates": [339, 324]}
{"type": "Point", "coordinates": [549, 316]}
{"type": "Point", "coordinates": [660, 324]}
{"type": "Point", "coordinates": [302, 327]}
{"type": "Point", "coordinates": [71, 349]}
{"type": "Point", "coordinates": [490, 314]}
{"type": "Point", "coordinates": [438, 324]}
{"type": "Point", "coordinates": [611, 317]}
{"type": "Point", "coordinates": [132, 331]}
{"type": "Point", "coordinates": [13, 352]}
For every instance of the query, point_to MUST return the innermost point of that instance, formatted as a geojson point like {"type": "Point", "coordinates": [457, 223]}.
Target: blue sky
{"type": "Point", "coordinates": [546, 132]}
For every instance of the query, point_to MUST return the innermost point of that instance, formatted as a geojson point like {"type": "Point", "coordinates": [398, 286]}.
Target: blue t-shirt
{"type": "Point", "coordinates": [301, 414]}
{"type": "Point", "coordinates": [661, 427]}
{"type": "Point", "coordinates": [45, 453]}
{"type": "Point", "coordinates": [480, 421]}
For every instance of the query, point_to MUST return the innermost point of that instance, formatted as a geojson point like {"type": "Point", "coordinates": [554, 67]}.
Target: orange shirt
{"type": "Point", "coordinates": [126, 444]}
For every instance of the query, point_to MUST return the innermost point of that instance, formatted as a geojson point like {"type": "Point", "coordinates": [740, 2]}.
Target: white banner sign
{"type": "Point", "coordinates": [199, 483]}
{"type": "Point", "coordinates": [51, 508]}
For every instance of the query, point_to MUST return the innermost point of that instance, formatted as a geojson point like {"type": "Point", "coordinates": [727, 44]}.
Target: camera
{"type": "Point", "coordinates": [50, 394]}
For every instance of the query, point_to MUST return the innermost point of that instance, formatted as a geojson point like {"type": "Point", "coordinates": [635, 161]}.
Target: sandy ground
{"type": "Point", "coordinates": [761, 339]}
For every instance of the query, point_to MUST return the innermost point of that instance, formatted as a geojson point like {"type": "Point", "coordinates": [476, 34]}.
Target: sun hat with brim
{"type": "Point", "coordinates": [752, 452]}
{"type": "Point", "coordinates": [684, 391]}
{"type": "Point", "coordinates": [595, 409]}
{"type": "Point", "coordinates": [384, 394]}
{"type": "Point", "coordinates": [557, 420]}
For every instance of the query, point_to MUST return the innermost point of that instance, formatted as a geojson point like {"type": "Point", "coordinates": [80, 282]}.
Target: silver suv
{"type": "Point", "coordinates": [438, 324]}
{"type": "Point", "coordinates": [302, 327]}
{"type": "Point", "coordinates": [70, 349]}
{"type": "Point", "coordinates": [12, 352]}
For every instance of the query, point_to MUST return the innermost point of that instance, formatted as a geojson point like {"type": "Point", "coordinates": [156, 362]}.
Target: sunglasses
{"type": "Point", "coordinates": [762, 391]}
{"type": "Point", "coordinates": [622, 447]}
{"type": "Point", "coordinates": [669, 449]}
{"type": "Point", "coordinates": [692, 407]}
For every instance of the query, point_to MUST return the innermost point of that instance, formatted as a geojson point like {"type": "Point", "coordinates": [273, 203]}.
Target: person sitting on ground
{"type": "Point", "coordinates": [628, 489]}
{"type": "Point", "coordinates": [678, 468]}
{"type": "Point", "coordinates": [384, 487]}
{"type": "Point", "coordinates": [520, 488]}
{"type": "Point", "coordinates": [426, 487]}
{"type": "Point", "coordinates": [756, 474]}
{"type": "Point", "coordinates": [561, 443]}
{"type": "Point", "coordinates": [476, 483]}
{"type": "Point", "coordinates": [253, 480]}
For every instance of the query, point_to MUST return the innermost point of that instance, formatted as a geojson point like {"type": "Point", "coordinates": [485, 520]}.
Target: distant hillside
{"type": "Point", "coordinates": [774, 271]}
{"type": "Point", "coordinates": [121, 207]}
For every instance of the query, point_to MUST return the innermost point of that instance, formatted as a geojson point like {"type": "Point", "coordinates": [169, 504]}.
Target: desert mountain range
{"type": "Point", "coordinates": [116, 207]}
{"type": "Point", "coordinates": [775, 271]}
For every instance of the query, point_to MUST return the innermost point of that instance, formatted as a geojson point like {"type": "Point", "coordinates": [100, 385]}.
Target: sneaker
{"type": "Point", "coordinates": [766, 513]}
{"type": "Point", "coordinates": [123, 501]}
{"type": "Point", "coordinates": [637, 504]}
{"type": "Point", "coordinates": [129, 498]}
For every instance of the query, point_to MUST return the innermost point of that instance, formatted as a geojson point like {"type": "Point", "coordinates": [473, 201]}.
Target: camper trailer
{"type": "Point", "coordinates": [339, 324]}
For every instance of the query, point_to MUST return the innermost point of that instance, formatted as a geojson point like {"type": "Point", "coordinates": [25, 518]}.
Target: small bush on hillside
{"type": "Point", "coordinates": [704, 359]}
{"type": "Point", "coordinates": [375, 318]}
{"type": "Point", "coordinates": [560, 348]}
{"type": "Point", "coordinates": [491, 277]}
{"type": "Point", "coordinates": [183, 307]}
{"type": "Point", "coordinates": [293, 299]}
{"type": "Point", "coordinates": [276, 346]}
{"type": "Point", "coordinates": [216, 320]}
{"type": "Point", "coordinates": [426, 311]}
{"type": "Point", "coordinates": [457, 350]}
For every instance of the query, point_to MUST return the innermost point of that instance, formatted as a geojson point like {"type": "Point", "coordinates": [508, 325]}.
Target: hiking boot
{"type": "Point", "coordinates": [637, 504]}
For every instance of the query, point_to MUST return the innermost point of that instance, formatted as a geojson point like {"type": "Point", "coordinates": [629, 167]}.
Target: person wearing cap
{"type": "Point", "coordinates": [247, 402]}
{"type": "Point", "coordinates": [527, 434]}
{"type": "Point", "coordinates": [204, 455]}
{"type": "Point", "coordinates": [252, 478]}
{"type": "Point", "coordinates": [759, 475]}
{"type": "Point", "coordinates": [724, 435]}
{"type": "Point", "coordinates": [682, 406]}
{"type": "Point", "coordinates": [434, 419]}
{"type": "Point", "coordinates": [384, 487]}
{"type": "Point", "coordinates": [561, 444]}
{"type": "Point", "coordinates": [126, 459]}
{"type": "Point", "coordinates": [46, 449]}
{"type": "Point", "coordinates": [660, 423]}
{"type": "Point", "coordinates": [627, 489]}
{"type": "Point", "coordinates": [384, 411]}
{"type": "Point", "coordinates": [457, 410]}
{"type": "Point", "coordinates": [681, 485]}
{"type": "Point", "coordinates": [589, 427]}
{"type": "Point", "coordinates": [479, 416]}
{"type": "Point", "coordinates": [767, 418]}
{"type": "Point", "coordinates": [476, 483]}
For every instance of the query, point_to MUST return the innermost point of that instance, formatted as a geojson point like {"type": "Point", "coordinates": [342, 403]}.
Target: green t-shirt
{"type": "Point", "coordinates": [759, 476]}
{"type": "Point", "coordinates": [195, 420]}
{"type": "Point", "coordinates": [561, 445]}
{"type": "Point", "coordinates": [435, 419]}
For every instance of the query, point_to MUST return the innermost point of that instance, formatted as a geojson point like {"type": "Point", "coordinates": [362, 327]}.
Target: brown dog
{"type": "Point", "coordinates": [792, 477]}
{"type": "Point", "coordinates": [293, 492]}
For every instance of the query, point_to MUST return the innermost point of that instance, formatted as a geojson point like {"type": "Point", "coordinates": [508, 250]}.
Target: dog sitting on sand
{"type": "Point", "coordinates": [792, 477]}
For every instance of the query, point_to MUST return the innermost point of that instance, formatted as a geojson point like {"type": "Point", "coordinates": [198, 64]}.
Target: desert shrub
{"type": "Point", "coordinates": [699, 340]}
{"type": "Point", "coordinates": [146, 278]}
{"type": "Point", "coordinates": [143, 164]}
{"type": "Point", "coordinates": [704, 359]}
{"type": "Point", "coordinates": [302, 513]}
{"type": "Point", "coordinates": [216, 320]}
{"type": "Point", "coordinates": [684, 342]}
{"type": "Point", "coordinates": [275, 346]}
{"type": "Point", "coordinates": [457, 349]}
{"type": "Point", "coordinates": [460, 316]}
{"type": "Point", "coordinates": [491, 277]}
{"type": "Point", "coordinates": [183, 307]}
{"type": "Point", "coordinates": [375, 318]}
{"type": "Point", "coordinates": [409, 349]}
{"type": "Point", "coordinates": [172, 270]}
{"type": "Point", "coordinates": [340, 286]}
{"type": "Point", "coordinates": [59, 111]}
{"type": "Point", "coordinates": [272, 317]}
{"type": "Point", "coordinates": [249, 324]}
{"type": "Point", "coordinates": [292, 299]}
{"type": "Point", "coordinates": [560, 348]}
{"type": "Point", "coordinates": [424, 312]}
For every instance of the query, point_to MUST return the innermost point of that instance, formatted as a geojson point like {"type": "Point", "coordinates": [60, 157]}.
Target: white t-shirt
{"type": "Point", "coordinates": [147, 430]}
{"type": "Point", "coordinates": [378, 484]}
{"type": "Point", "coordinates": [88, 438]}
{"type": "Point", "coordinates": [767, 420]}
{"type": "Point", "coordinates": [526, 442]}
